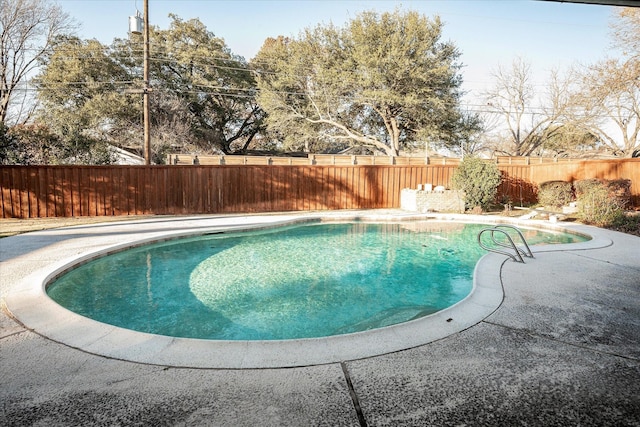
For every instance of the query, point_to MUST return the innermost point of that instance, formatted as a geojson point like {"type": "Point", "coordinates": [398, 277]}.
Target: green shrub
{"type": "Point", "coordinates": [555, 193]}
{"type": "Point", "coordinates": [597, 205]}
{"type": "Point", "coordinates": [627, 224]}
{"type": "Point", "coordinates": [618, 190]}
{"type": "Point", "coordinates": [479, 180]}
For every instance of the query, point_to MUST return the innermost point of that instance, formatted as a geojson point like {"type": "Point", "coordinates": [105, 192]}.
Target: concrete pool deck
{"type": "Point", "coordinates": [561, 348]}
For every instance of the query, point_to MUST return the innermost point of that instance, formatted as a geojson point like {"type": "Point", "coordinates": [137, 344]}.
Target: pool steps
{"type": "Point", "coordinates": [519, 252]}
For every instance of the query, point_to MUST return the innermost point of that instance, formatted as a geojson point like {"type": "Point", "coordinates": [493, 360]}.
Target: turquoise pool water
{"type": "Point", "coordinates": [303, 281]}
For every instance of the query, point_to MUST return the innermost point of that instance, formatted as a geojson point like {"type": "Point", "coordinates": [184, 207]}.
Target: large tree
{"type": "Point", "coordinates": [608, 105]}
{"type": "Point", "coordinates": [27, 31]}
{"type": "Point", "coordinates": [607, 101]}
{"type": "Point", "coordinates": [626, 31]}
{"type": "Point", "coordinates": [526, 117]}
{"type": "Point", "coordinates": [384, 81]}
{"type": "Point", "coordinates": [202, 98]}
{"type": "Point", "coordinates": [217, 86]}
{"type": "Point", "coordinates": [80, 90]}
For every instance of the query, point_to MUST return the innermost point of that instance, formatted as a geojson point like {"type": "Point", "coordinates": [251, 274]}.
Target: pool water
{"type": "Point", "coordinates": [304, 281]}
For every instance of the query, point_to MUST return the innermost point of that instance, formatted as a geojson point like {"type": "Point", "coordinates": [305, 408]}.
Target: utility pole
{"type": "Point", "coordinates": [145, 78]}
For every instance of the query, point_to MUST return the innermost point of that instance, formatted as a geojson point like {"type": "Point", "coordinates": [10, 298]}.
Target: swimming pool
{"type": "Point", "coordinates": [304, 281]}
{"type": "Point", "coordinates": [65, 249]}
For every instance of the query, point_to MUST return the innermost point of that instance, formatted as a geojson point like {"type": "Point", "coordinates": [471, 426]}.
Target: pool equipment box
{"type": "Point", "coordinates": [425, 200]}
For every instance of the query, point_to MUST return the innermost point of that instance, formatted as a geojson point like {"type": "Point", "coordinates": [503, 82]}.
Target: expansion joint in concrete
{"type": "Point", "coordinates": [547, 337]}
{"type": "Point", "coordinates": [583, 255]}
{"type": "Point", "coordinates": [354, 396]}
{"type": "Point", "coordinates": [13, 334]}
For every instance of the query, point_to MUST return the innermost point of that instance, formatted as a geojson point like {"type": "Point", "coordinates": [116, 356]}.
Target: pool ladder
{"type": "Point", "coordinates": [518, 252]}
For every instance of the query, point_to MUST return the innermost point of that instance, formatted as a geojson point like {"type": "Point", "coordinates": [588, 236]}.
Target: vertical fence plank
{"type": "Point", "coordinates": [6, 185]}
{"type": "Point", "coordinates": [226, 189]}
{"type": "Point", "coordinates": [347, 181]}
{"type": "Point", "coordinates": [315, 189]}
{"type": "Point", "coordinates": [58, 192]}
{"type": "Point", "coordinates": [84, 190]}
{"type": "Point", "coordinates": [356, 197]}
{"type": "Point", "coordinates": [136, 194]}
{"type": "Point", "coordinates": [378, 181]}
{"type": "Point", "coordinates": [274, 188]}
{"type": "Point", "coordinates": [153, 189]}
{"type": "Point", "coordinates": [144, 176]}
{"type": "Point", "coordinates": [95, 202]}
{"type": "Point", "coordinates": [92, 181]}
{"type": "Point", "coordinates": [39, 195]}
{"type": "Point", "coordinates": [310, 189]}
{"type": "Point", "coordinates": [394, 192]}
{"type": "Point", "coordinates": [101, 192]}
{"type": "Point", "coordinates": [67, 191]}
{"type": "Point", "coordinates": [48, 191]}
{"type": "Point", "coordinates": [332, 197]}
{"type": "Point", "coordinates": [326, 182]}
{"type": "Point", "coordinates": [76, 194]}
{"type": "Point", "coordinates": [631, 170]}
{"type": "Point", "coordinates": [163, 201]}
{"type": "Point", "coordinates": [23, 193]}
{"type": "Point", "coordinates": [186, 185]}
{"type": "Point", "coordinates": [294, 195]}
{"type": "Point", "coordinates": [388, 190]}
{"type": "Point", "coordinates": [171, 193]}
{"type": "Point", "coordinates": [11, 194]}
{"type": "Point", "coordinates": [344, 187]}
{"type": "Point", "coordinates": [98, 180]}
{"type": "Point", "coordinates": [129, 180]}
{"type": "Point", "coordinates": [32, 185]}
{"type": "Point", "coordinates": [260, 185]}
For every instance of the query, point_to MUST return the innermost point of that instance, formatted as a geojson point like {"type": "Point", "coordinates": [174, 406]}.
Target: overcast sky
{"type": "Point", "coordinates": [489, 33]}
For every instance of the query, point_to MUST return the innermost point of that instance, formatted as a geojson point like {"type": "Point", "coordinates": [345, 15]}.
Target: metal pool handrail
{"type": "Point", "coordinates": [519, 252]}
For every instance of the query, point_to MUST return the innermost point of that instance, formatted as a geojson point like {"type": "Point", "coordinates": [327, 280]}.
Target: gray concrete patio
{"type": "Point", "coordinates": [562, 348]}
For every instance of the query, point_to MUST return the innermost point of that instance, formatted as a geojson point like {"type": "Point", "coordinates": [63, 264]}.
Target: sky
{"type": "Point", "coordinates": [489, 33]}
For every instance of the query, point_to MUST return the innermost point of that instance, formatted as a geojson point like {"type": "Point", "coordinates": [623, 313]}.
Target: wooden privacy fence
{"type": "Point", "coordinates": [66, 191]}
{"type": "Point", "coordinates": [521, 181]}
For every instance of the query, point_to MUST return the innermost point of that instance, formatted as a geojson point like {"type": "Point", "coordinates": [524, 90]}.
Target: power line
{"type": "Point", "coordinates": [236, 93]}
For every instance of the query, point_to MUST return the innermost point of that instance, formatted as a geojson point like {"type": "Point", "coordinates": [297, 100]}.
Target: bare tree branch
{"type": "Point", "coordinates": [27, 31]}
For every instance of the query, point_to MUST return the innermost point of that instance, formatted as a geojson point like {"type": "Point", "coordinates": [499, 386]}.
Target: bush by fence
{"type": "Point", "coordinates": [555, 193]}
{"type": "Point", "coordinates": [599, 201]}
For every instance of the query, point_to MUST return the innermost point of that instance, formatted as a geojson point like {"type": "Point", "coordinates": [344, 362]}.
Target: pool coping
{"type": "Point", "coordinates": [26, 299]}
